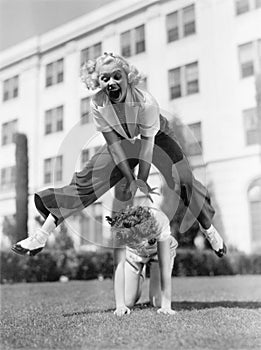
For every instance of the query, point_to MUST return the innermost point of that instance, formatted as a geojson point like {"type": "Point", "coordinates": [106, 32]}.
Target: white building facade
{"type": "Point", "coordinates": [201, 60]}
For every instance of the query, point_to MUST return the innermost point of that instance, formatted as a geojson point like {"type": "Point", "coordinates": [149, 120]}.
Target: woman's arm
{"type": "Point", "coordinates": [145, 157]}
{"type": "Point", "coordinates": [165, 276]}
{"type": "Point", "coordinates": [119, 281]}
{"type": "Point", "coordinates": [118, 155]}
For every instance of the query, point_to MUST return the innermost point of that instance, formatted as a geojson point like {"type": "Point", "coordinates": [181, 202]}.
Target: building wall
{"type": "Point", "coordinates": [229, 166]}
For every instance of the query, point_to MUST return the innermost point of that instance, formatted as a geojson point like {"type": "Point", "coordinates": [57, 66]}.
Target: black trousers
{"type": "Point", "coordinates": [101, 173]}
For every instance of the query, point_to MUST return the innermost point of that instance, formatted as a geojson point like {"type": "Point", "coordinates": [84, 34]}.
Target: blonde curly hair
{"type": "Point", "coordinates": [90, 70]}
{"type": "Point", "coordinates": [134, 223]}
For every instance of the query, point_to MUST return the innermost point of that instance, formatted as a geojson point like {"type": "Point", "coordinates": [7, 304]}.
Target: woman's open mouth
{"type": "Point", "coordinates": [114, 93]}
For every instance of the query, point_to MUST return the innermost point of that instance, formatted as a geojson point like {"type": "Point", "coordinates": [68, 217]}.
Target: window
{"type": "Point", "coordinates": [246, 60]}
{"type": "Point", "coordinates": [254, 198]}
{"type": "Point", "coordinates": [183, 80]}
{"type": "Point", "coordinates": [85, 156]}
{"type": "Point", "coordinates": [189, 25]}
{"type": "Point", "coordinates": [175, 83]}
{"type": "Point", "coordinates": [252, 129]}
{"type": "Point", "coordinates": [194, 139]}
{"type": "Point", "coordinates": [10, 88]}
{"type": "Point", "coordinates": [143, 84]}
{"type": "Point", "coordinates": [85, 110]}
{"type": "Point", "coordinates": [9, 130]}
{"type": "Point", "coordinates": [53, 168]}
{"type": "Point", "coordinates": [133, 41]}
{"type": "Point", "coordinates": [172, 27]}
{"type": "Point", "coordinates": [181, 23]}
{"type": "Point", "coordinates": [54, 73]}
{"type": "Point", "coordinates": [98, 228]}
{"type": "Point", "coordinates": [191, 71]}
{"type": "Point", "coordinates": [85, 230]}
{"type": "Point", "coordinates": [54, 120]}
{"type": "Point", "coordinates": [259, 53]}
{"type": "Point", "coordinates": [242, 6]}
{"type": "Point", "coordinates": [126, 44]}
{"type": "Point", "coordinates": [139, 39]}
{"type": "Point", "coordinates": [91, 52]}
{"type": "Point", "coordinates": [8, 178]}
{"type": "Point", "coordinates": [250, 58]}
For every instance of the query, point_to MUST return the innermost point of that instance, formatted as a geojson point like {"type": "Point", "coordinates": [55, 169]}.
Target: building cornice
{"type": "Point", "coordinates": [73, 30]}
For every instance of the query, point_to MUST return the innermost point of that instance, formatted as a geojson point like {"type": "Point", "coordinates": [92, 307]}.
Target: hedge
{"type": "Point", "coordinates": [50, 265]}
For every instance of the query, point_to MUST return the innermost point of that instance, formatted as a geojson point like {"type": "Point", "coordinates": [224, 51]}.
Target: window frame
{"type": "Point", "coordinates": [54, 73]}
{"type": "Point", "coordinates": [8, 136]}
{"type": "Point", "coordinates": [91, 52]}
{"type": "Point", "coordinates": [53, 120]}
{"type": "Point", "coordinates": [134, 45]}
{"type": "Point", "coordinates": [10, 88]}
{"type": "Point", "coordinates": [53, 169]}
{"type": "Point", "coordinates": [195, 148]}
{"type": "Point", "coordinates": [179, 29]}
{"type": "Point", "coordinates": [85, 111]}
{"type": "Point", "coordinates": [252, 135]}
{"type": "Point", "coordinates": [183, 82]}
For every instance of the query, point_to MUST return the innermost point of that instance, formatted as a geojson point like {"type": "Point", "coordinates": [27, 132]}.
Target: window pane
{"type": "Point", "coordinates": [143, 84]}
{"type": "Point", "coordinates": [58, 168]}
{"type": "Point", "coordinates": [195, 142]}
{"type": "Point", "coordinates": [10, 88]}
{"type": "Point", "coordinates": [97, 50]}
{"type": "Point", "coordinates": [85, 55]}
{"type": "Point", "coordinates": [98, 228]}
{"type": "Point", "coordinates": [47, 170]}
{"type": "Point", "coordinates": [246, 59]}
{"type": "Point", "coordinates": [85, 229]}
{"type": "Point", "coordinates": [85, 156]}
{"type": "Point", "coordinates": [252, 133]}
{"type": "Point", "coordinates": [126, 44]}
{"type": "Point", "coordinates": [48, 122]}
{"type": "Point", "coordinates": [85, 110]}
{"type": "Point", "coordinates": [189, 20]}
{"type": "Point", "coordinates": [59, 71]}
{"type": "Point", "coordinates": [242, 6]}
{"type": "Point", "coordinates": [175, 83]}
{"type": "Point", "coordinates": [192, 78]}
{"type": "Point", "coordinates": [9, 131]}
{"type": "Point", "coordinates": [172, 27]}
{"type": "Point", "coordinates": [139, 39]}
{"type": "Point", "coordinates": [59, 118]}
{"type": "Point", "coordinates": [259, 53]}
{"type": "Point", "coordinates": [8, 177]}
{"type": "Point", "coordinates": [15, 86]}
{"type": "Point", "coordinates": [49, 74]}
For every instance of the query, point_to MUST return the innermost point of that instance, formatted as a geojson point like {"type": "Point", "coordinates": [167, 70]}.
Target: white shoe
{"type": "Point", "coordinates": [215, 240]}
{"type": "Point", "coordinates": [31, 245]}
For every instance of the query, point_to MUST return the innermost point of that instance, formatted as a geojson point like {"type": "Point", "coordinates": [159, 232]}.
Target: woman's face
{"type": "Point", "coordinates": [113, 80]}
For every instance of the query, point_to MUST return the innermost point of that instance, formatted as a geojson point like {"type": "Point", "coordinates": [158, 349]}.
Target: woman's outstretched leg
{"type": "Point", "coordinates": [35, 243]}
{"type": "Point", "coordinates": [56, 204]}
{"type": "Point", "coordinates": [170, 160]}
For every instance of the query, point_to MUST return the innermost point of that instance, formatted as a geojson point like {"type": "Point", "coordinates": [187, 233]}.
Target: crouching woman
{"type": "Point", "coordinates": [142, 236]}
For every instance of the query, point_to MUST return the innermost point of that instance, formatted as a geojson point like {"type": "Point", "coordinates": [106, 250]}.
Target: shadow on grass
{"type": "Point", "coordinates": [182, 305]}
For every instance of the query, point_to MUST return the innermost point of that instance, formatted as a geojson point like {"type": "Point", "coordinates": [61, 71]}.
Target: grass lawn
{"type": "Point", "coordinates": [212, 313]}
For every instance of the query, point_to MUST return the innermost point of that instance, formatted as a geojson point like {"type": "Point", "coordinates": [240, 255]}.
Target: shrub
{"type": "Point", "coordinates": [50, 265]}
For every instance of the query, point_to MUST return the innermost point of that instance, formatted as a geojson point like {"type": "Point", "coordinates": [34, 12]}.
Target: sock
{"type": "Point", "coordinates": [42, 235]}
{"type": "Point", "coordinates": [206, 230]}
